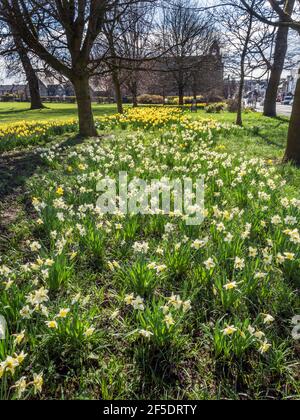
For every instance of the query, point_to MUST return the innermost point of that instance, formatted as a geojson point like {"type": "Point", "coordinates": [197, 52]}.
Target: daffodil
{"type": "Point", "coordinates": [268, 319]}
{"type": "Point", "coordinates": [129, 299]}
{"type": "Point", "coordinates": [230, 330]}
{"type": "Point", "coordinates": [60, 191]}
{"type": "Point", "coordinates": [19, 337]}
{"type": "Point", "coordinates": [230, 286]}
{"type": "Point", "coordinates": [52, 324]}
{"type": "Point", "coordinates": [37, 382]}
{"type": "Point", "coordinates": [146, 334]}
{"type": "Point", "coordinates": [265, 347]}
{"type": "Point", "coordinates": [20, 386]}
{"type": "Point", "coordinates": [63, 313]}
{"type": "Point", "coordinates": [89, 332]}
{"type": "Point", "coordinates": [169, 320]}
{"type": "Point", "coordinates": [209, 264]}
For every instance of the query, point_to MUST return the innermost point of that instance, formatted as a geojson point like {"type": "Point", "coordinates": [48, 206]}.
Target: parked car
{"type": "Point", "coordinates": [287, 100]}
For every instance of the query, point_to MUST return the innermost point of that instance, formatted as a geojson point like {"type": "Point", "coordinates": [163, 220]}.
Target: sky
{"type": "Point", "coordinates": [5, 79]}
{"type": "Point", "coordinates": [294, 44]}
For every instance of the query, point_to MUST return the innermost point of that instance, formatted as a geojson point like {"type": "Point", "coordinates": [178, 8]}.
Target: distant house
{"type": "Point", "coordinates": [43, 89]}
{"type": "Point", "coordinates": [56, 91]}
{"type": "Point", "coordinates": [13, 91]}
{"type": "Point", "coordinates": [21, 92]}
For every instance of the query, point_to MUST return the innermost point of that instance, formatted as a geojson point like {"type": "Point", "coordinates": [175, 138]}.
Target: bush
{"type": "Point", "coordinates": [216, 108]}
{"type": "Point", "coordinates": [188, 100]}
{"type": "Point", "coordinates": [232, 105]}
{"type": "Point", "coordinates": [213, 98]}
{"type": "Point", "coordinates": [200, 106]}
{"type": "Point", "coordinates": [172, 100]}
{"type": "Point", "coordinates": [150, 99]}
{"type": "Point", "coordinates": [105, 100]}
{"type": "Point", "coordinates": [249, 110]}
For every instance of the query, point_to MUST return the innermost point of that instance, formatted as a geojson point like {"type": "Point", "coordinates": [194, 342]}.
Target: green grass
{"type": "Point", "coordinates": [14, 111]}
{"type": "Point", "coordinates": [134, 351]}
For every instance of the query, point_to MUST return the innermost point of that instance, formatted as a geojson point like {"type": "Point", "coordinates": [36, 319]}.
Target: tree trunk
{"type": "Point", "coordinates": [278, 65]}
{"type": "Point", "coordinates": [239, 120]}
{"type": "Point", "coordinates": [115, 72]}
{"type": "Point", "coordinates": [34, 90]}
{"type": "Point", "coordinates": [84, 104]}
{"type": "Point", "coordinates": [181, 95]}
{"type": "Point", "coordinates": [134, 93]}
{"type": "Point", "coordinates": [292, 153]}
{"type": "Point", "coordinates": [117, 86]}
{"type": "Point", "coordinates": [135, 101]}
{"type": "Point", "coordinates": [31, 77]}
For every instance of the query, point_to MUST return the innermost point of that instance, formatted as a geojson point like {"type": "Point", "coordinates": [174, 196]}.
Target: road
{"type": "Point", "coordinates": [284, 110]}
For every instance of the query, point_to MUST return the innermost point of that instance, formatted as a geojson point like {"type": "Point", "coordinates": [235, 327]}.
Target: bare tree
{"type": "Point", "coordinates": [137, 45]}
{"type": "Point", "coordinates": [283, 19]}
{"type": "Point", "coordinates": [31, 76]}
{"type": "Point", "coordinates": [113, 63]}
{"type": "Point", "coordinates": [247, 43]}
{"type": "Point", "coordinates": [241, 27]}
{"type": "Point", "coordinates": [64, 35]}
{"type": "Point", "coordinates": [186, 34]}
{"type": "Point", "coordinates": [277, 66]}
{"type": "Point", "coordinates": [130, 42]}
{"type": "Point", "coordinates": [15, 53]}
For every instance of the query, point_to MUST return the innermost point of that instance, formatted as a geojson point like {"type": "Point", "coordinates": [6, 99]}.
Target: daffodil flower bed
{"type": "Point", "coordinates": [145, 117]}
{"type": "Point", "coordinates": [26, 133]}
{"type": "Point", "coordinates": [144, 306]}
{"type": "Point", "coordinates": [151, 118]}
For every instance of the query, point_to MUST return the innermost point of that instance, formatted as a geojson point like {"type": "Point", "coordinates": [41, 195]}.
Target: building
{"type": "Point", "coordinates": [289, 84]}
{"type": "Point", "coordinates": [48, 91]}
{"type": "Point", "coordinates": [286, 87]}
{"type": "Point", "coordinates": [13, 91]}
{"type": "Point", "coordinates": [199, 76]}
{"type": "Point", "coordinates": [202, 76]}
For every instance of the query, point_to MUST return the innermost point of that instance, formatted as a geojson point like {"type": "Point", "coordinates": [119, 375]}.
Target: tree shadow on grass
{"type": "Point", "coordinates": [15, 169]}
{"type": "Point", "coordinates": [269, 141]}
{"type": "Point", "coordinates": [72, 141]}
{"type": "Point", "coordinates": [14, 111]}
{"type": "Point", "coordinates": [268, 135]}
{"type": "Point", "coordinates": [284, 120]}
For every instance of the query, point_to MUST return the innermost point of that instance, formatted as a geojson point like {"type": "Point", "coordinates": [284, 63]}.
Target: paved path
{"type": "Point", "coordinates": [284, 110]}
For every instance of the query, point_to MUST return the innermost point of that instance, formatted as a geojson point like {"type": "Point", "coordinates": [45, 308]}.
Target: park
{"type": "Point", "coordinates": [120, 296]}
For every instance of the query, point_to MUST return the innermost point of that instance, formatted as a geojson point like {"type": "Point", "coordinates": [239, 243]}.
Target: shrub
{"type": "Point", "coordinates": [216, 108]}
{"type": "Point", "coordinates": [188, 100]}
{"type": "Point", "coordinates": [249, 109]}
{"type": "Point", "coordinates": [172, 100]}
{"type": "Point", "coordinates": [212, 98]}
{"type": "Point", "coordinates": [150, 99]}
{"type": "Point", "coordinates": [232, 105]}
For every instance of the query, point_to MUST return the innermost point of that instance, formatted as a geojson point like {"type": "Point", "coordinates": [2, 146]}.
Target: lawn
{"type": "Point", "coordinates": [145, 306]}
{"type": "Point", "coordinates": [14, 111]}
